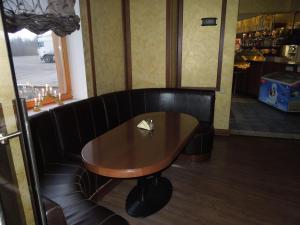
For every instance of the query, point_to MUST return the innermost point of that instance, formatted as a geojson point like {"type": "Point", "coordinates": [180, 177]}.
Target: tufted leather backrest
{"type": "Point", "coordinates": [79, 122]}
{"type": "Point", "coordinates": [67, 128]}
{"type": "Point", "coordinates": [98, 115]}
{"type": "Point", "coordinates": [85, 122]}
{"type": "Point", "coordinates": [111, 109]}
{"type": "Point", "coordinates": [198, 103]}
{"type": "Point", "coordinates": [138, 102]}
{"type": "Point", "coordinates": [124, 105]}
{"type": "Point", "coordinates": [45, 140]}
{"type": "Point", "coordinates": [167, 101]}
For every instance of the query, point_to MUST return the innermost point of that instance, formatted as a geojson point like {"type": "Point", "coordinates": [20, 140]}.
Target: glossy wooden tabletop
{"type": "Point", "coordinates": [127, 152]}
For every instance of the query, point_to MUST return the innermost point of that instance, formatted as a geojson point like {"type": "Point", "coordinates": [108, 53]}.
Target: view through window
{"type": "Point", "coordinates": [39, 64]}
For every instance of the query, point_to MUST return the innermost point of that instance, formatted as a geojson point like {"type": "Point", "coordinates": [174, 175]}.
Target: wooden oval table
{"type": "Point", "coordinates": [129, 152]}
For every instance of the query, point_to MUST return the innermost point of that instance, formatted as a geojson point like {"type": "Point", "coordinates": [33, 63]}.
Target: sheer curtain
{"type": "Point", "coordinates": [39, 16]}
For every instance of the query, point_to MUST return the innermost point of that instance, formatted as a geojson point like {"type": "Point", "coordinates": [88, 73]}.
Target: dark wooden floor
{"type": "Point", "coordinates": [248, 180]}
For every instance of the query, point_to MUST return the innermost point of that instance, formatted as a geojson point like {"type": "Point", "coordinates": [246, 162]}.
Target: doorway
{"type": "Point", "coordinates": [266, 81]}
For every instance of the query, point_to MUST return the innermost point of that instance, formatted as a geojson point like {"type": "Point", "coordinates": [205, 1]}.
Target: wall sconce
{"type": "Point", "coordinates": [209, 21]}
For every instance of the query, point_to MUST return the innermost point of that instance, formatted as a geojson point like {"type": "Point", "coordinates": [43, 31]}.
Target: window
{"type": "Point", "coordinates": [41, 66]}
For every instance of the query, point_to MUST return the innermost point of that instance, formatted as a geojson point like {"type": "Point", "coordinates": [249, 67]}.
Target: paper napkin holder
{"type": "Point", "coordinates": [145, 125]}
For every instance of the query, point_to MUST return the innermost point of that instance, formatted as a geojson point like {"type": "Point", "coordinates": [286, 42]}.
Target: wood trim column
{"type": "Point", "coordinates": [90, 30]}
{"type": "Point", "coordinates": [221, 45]}
{"type": "Point", "coordinates": [179, 46]}
{"type": "Point", "coordinates": [127, 43]}
{"type": "Point", "coordinates": [169, 22]}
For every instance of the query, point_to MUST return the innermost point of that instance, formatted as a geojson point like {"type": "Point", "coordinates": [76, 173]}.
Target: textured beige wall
{"type": "Point", "coordinates": [108, 45]}
{"type": "Point", "coordinates": [6, 96]}
{"type": "Point", "coordinates": [108, 40]}
{"type": "Point", "coordinates": [223, 98]}
{"type": "Point", "coordinates": [200, 43]}
{"type": "Point", "coordinates": [148, 43]}
{"type": "Point", "coordinates": [200, 52]}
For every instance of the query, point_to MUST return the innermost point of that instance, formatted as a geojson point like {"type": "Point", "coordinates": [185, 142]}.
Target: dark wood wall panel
{"type": "Point", "coordinates": [90, 30]}
{"type": "Point", "coordinates": [221, 44]}
{"type": "Point", "coordinates": [179, 47]}
{"type": "Point", "coordinates": [169, 6]}
{"type": "Point", "coordinates": [127, 43]}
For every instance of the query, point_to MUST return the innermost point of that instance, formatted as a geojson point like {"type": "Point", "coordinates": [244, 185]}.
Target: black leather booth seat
{"type": "Point", "coordinates": [67, 187]}
{"type": "Point", "coordinates": [60, 134]}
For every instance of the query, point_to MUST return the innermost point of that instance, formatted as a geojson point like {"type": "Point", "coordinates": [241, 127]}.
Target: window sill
{"type": "Point", "coordinates": [50, 106]}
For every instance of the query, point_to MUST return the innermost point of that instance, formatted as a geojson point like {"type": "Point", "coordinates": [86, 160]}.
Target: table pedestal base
{"type": "Point", "coordinates": [149, 196]}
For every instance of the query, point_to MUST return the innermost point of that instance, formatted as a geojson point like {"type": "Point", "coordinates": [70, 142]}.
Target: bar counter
{"type": "Point", "coordinates": [248, 81]}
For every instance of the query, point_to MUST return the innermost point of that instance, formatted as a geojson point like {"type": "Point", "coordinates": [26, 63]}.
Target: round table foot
{"type": "Point", "coordinates": [149, 196]}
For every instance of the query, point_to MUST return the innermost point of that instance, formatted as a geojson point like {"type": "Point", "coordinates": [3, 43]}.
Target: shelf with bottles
{"type": "Point", "coordinates": [264, 39]}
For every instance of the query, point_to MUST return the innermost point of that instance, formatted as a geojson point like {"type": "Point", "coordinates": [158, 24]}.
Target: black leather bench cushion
{"type": "Point", "coordinates": [89, 213]}
{"type": "Point", "coordinates": [54, 213]}
{"type": "Point", "coordinates": [84, 211]}
{"type": "Point", "coordinates": [63, 178]}
{"type": "Point", "coordinates": [70, 186]}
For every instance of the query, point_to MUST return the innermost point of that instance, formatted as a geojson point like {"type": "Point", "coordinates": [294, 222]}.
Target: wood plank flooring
{"type": "Point", "coordinates": [248, 181]}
